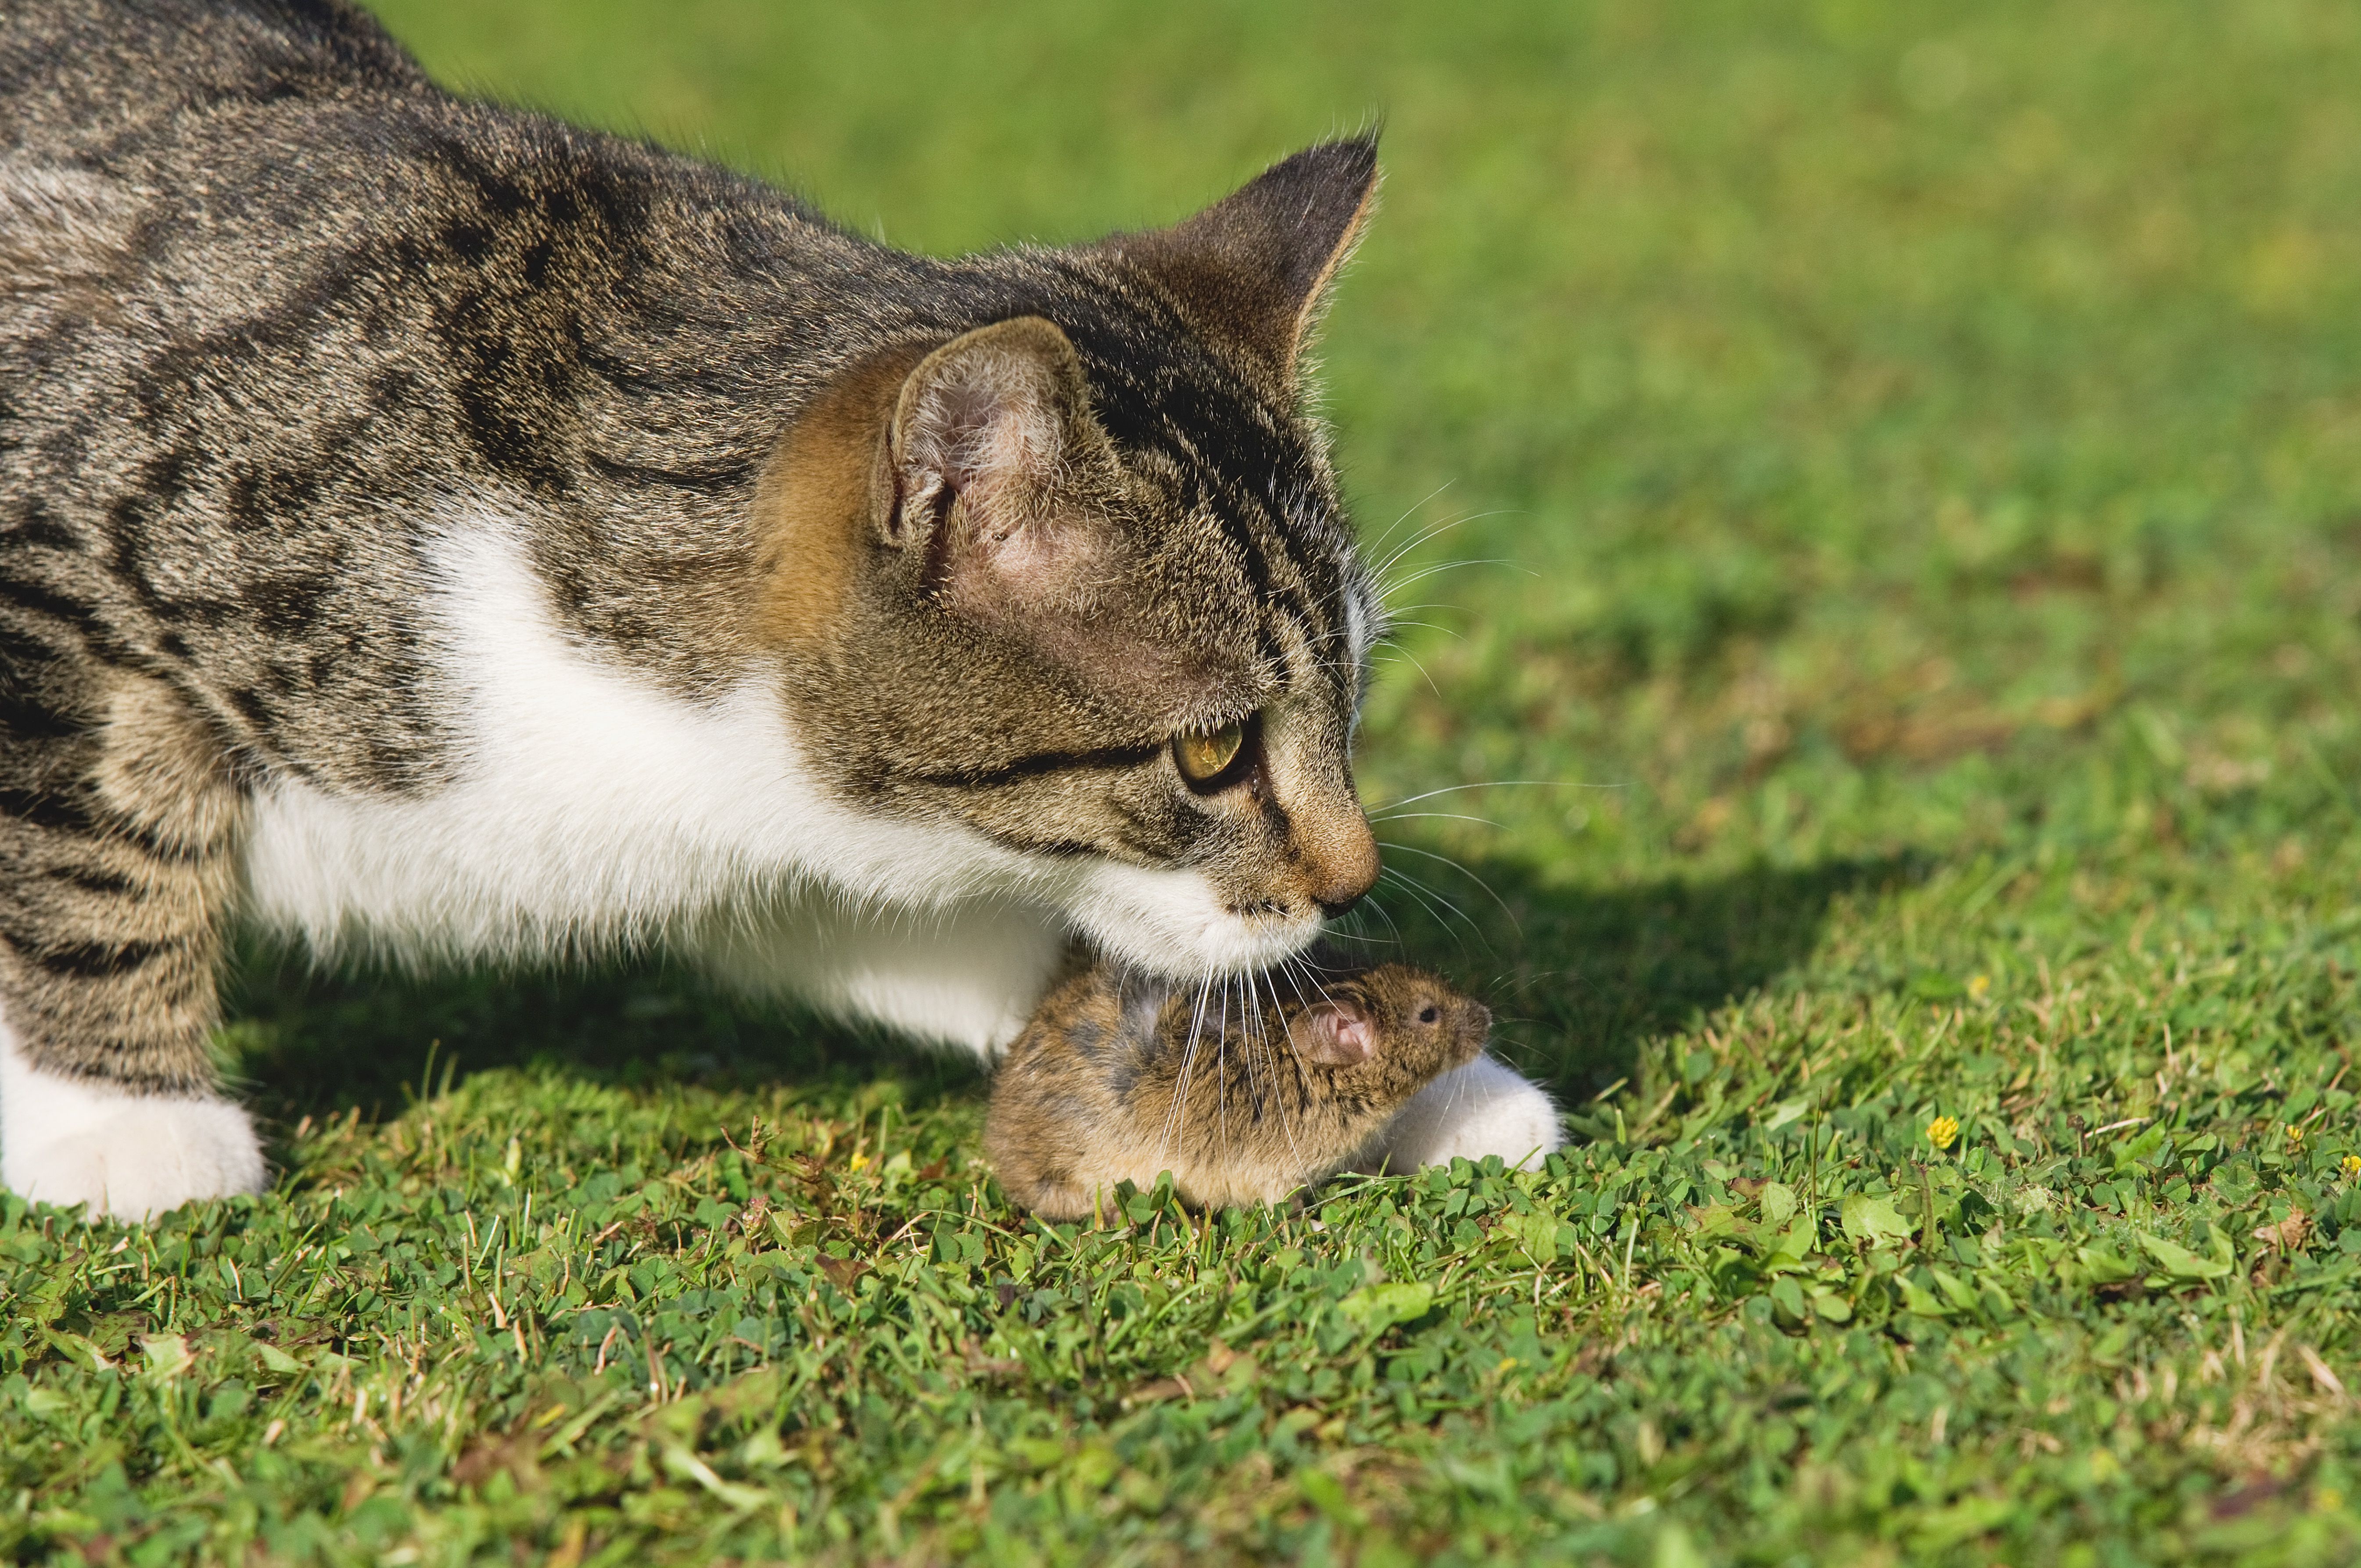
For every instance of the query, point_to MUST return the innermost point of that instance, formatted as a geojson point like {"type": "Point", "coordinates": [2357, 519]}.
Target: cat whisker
{"type": "Point", "coordinates": [1394, 609]}
{"type": "Point", "coordinates": [1430, 897]}
{"type": "Point", "coordinates": [1426, 536]}
{"type": "Point", "coordinates": [1381, 574]}
{"type": "Point", "coordinates": [1222, 1067]}
{"type": "Point", "coordinates": [1442, 525]}
{"type": "Point", "coordinates": [1287, 968]}
{"type": "Point", "coordinates": [1374, 907]}
{"type": "Point", "coordinates": [1439, 816]}
{"type": "Point", "coordinates": [1272, 1064]}
{"type": "Point", "coordinates": [1414, 896]}
{"type": "Point", "coordinates": [1177, 1116]}
{"type": "Point", "coordinates": [1413, 849]}
{"type": "Point", "coordinates": [1299, 969]}
{"type": "Point", "coordinates": [1251, 1036]}
{"type": "Point", "coordinates": [1500, 783]}
{"type": "Point", "coordinates": [1409, 512]}
{"type": "Point", "coordinates": [1441, 566]}
{"type": "Point", "coordinates": [1450, 632]}
{"type": "Point", "coordinates": [1402, 653]}
{"type": "Point", "coordinates": [1382, 629]}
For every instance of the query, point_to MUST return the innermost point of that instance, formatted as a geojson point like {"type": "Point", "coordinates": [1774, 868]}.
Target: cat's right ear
{"type": "Point", "coordinates": [1334, 1032]}
{"type": "Point", "coordinates": [990, 434]}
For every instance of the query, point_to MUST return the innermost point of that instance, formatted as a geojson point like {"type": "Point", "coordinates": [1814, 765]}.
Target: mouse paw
{"type": "Point", "coordinates": [1482, 1108]}
{"type": "Point", "coordinates": [68, 1141]}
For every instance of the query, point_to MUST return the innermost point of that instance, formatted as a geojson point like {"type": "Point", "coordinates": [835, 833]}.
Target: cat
{"type": "Point", "coordinates": [435, 530]}
{"type": "Point", "coordinates": [1246, 1095]}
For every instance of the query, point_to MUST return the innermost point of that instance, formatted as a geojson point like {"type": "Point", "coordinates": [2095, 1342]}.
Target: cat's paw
{"type": "Point", "coordinates": [67, 1141]}
{"type": "Point", "coordinates": [1470, 1112]}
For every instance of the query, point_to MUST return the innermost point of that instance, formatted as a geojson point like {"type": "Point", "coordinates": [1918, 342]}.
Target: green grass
{"type": "Point", "coordinates": [1926, 448]}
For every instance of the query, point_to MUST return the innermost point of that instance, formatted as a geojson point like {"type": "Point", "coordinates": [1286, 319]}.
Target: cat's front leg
{"type": "Point", "coordinates": [115, 878]}
{"type": "Point", "coordinates": [968, 975]}
{"type": "Point", "coordinates": [1482, 1108]}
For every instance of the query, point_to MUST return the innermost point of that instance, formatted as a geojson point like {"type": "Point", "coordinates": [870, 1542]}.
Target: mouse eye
{"type": "Point", "coordinates": [1429, 1014]}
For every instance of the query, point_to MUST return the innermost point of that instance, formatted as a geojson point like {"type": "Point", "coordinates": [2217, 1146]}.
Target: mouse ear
{"type": "Point", "coordinates": [1333, 1034]}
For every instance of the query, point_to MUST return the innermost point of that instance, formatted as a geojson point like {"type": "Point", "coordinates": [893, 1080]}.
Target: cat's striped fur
{"type": "Point", "coordinates": [433, 525]}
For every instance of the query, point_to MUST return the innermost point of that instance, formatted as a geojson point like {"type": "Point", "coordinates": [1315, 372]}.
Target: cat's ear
{"type": "Point", "coordinates": [1334, 1032]}
{"type": "Point", "coordinates": [990, 434]}
{"type": "Point", "coordinates": [1252, 270]}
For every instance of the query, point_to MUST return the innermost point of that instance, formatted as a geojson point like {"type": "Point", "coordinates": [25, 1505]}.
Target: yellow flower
{"type": "Point", "coordinates": [1978, 986]}
{"type": "Point", "coordinates": [1943, 1131]}
{"type": "Point", "coordinates": [856, 1162]}
{"type": "Point", "coordinates": [2351, 1165]}
{"type": "Point", "coordinates": [2295, 1133]}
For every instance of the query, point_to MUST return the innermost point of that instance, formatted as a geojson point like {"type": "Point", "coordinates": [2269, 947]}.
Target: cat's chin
{"type": "Point", "coordinates": [1174, 923]}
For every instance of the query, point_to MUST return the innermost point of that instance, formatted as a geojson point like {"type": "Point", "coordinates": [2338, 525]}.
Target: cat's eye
{"type": "Point", "coordinates": [1205, 756]}
{"type": "Point", "coordinates": [1429, 1014]}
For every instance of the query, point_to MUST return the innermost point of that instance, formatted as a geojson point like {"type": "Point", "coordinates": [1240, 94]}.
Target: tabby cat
{"type": "Point", "coordinates": [435, 529]}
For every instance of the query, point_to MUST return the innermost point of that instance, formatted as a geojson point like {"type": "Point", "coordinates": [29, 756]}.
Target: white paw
{"type": "Point", "coordinates": [1470, 1112]}
{"type": "Point", "coordinates": [68, 1141]}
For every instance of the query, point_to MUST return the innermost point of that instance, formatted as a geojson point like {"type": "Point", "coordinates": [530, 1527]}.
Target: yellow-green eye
{"type": "Point", "coordinates": [1203, 755]}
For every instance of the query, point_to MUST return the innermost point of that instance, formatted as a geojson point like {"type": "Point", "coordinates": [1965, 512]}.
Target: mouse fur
{"type": "Point", "coordinates": [1121, 1075]}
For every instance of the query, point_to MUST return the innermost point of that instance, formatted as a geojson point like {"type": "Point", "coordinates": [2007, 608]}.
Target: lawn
{"type": "Point", "coordinates": [1891, 476]}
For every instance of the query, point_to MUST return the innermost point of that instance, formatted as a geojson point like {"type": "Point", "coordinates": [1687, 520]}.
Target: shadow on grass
{"type": "Point", "coordinates": [1579, 980]}
{"type": "Point", "coordinates": [309, 1042]}
{"type": "Point", "coordinates": [1585, 974]}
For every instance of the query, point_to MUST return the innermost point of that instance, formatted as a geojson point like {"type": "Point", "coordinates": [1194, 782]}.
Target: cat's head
{"type": "Point", "coordinates": [1075, 577]}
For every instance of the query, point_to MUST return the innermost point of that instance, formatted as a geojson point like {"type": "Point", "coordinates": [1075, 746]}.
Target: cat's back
{"type": "Point", "coordinates": [79, 79]}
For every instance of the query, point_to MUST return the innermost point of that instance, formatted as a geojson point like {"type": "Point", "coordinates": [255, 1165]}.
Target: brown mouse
{"type": "Point", "coordinates": [1245, 1096]}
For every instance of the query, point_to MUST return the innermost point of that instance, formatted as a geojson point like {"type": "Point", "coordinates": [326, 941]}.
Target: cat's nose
{"type": "Point", "coordinates": [1331, 857]}
{"type": "Point", "coordinates": [1344, 868]}
{"type": "Point", "coordinates": [1335, 855]}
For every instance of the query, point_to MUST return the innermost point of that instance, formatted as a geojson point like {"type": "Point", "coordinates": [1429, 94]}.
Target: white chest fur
{"type": "Point", "coordinates": [592, 808]}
